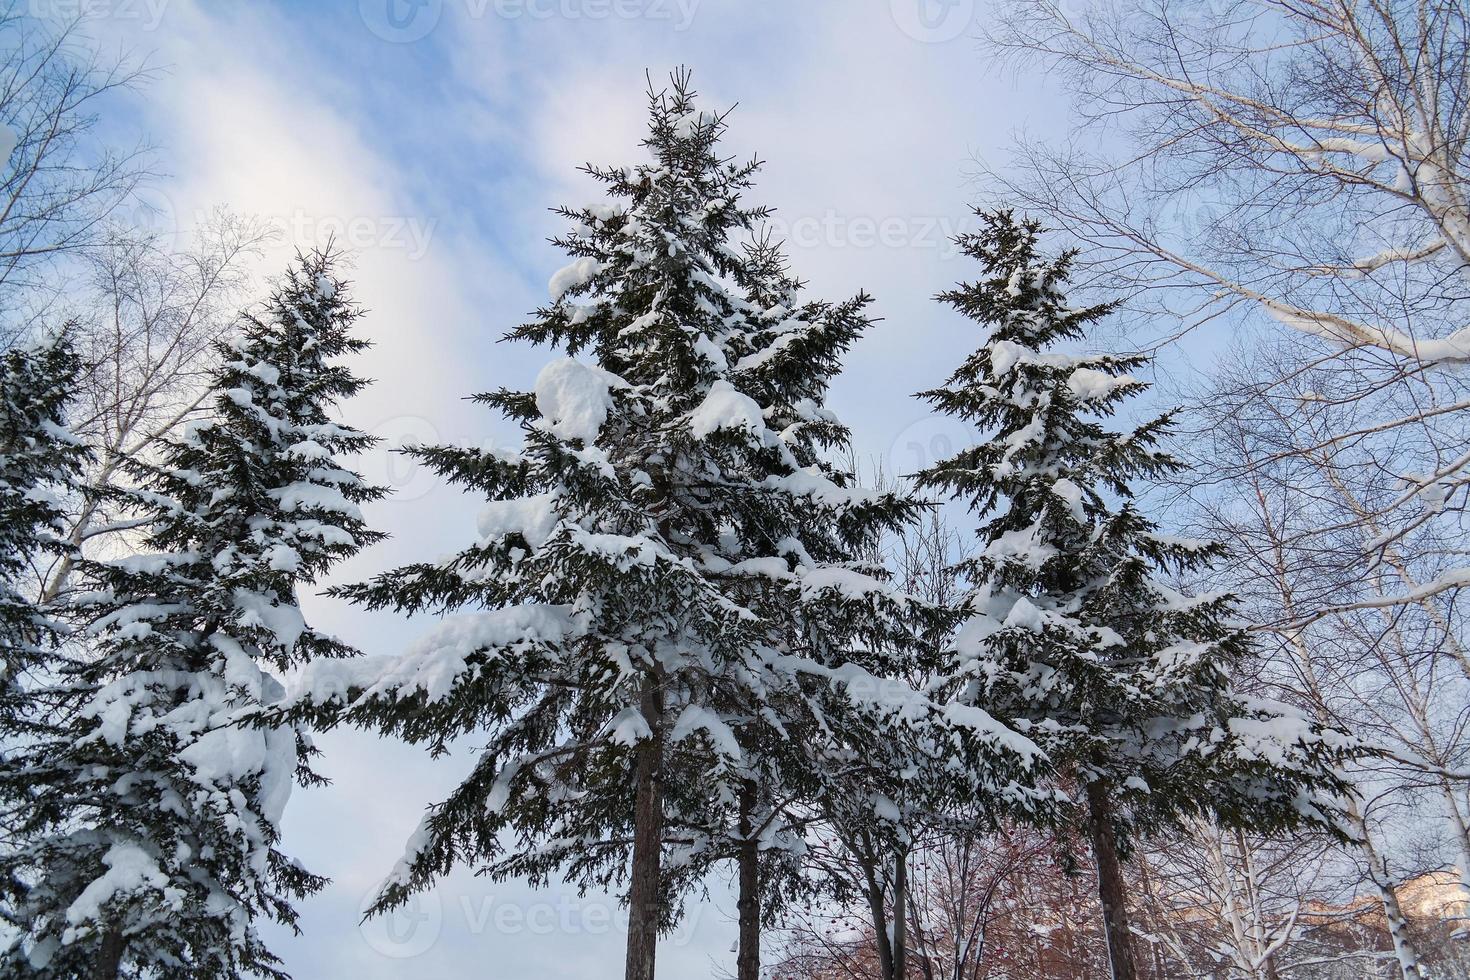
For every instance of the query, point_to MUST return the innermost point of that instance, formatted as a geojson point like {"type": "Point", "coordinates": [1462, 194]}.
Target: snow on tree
{"type": "Point", "coordinates": [39, 459]}
{"type": "Point", "coordinates": [666, 624]}
{"type": "Point", "coordinates": [1075, 638]}
{"type": "Point", "coordinates": [153, 318]}
{"type": "Point", "coordinates": [896, 757]}
{"type": "Point", "coordinates": [151, 842]}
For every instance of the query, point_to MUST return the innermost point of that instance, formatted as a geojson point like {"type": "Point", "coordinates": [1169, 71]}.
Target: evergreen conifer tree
{"type": "Point", "coordinates": [1074, 636]}
{"type": "Point", "coordinates": [151, 844]}
{"type": "Point", "coordinates": [667, 621]}
{"type": "Point", "coordinates": [38, 461]}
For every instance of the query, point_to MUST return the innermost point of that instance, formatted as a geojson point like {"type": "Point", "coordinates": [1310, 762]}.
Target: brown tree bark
{"type": "Point", "coordinates": [1110, 885]}
{"type": "Point", "coordinates": [109, 957]}
{"type": "Point", "coordinates": [748, 907]}
{"type": "Point", "coordinates": [648, 820]}
{"type": "Point", "coordinates": [880, 924]}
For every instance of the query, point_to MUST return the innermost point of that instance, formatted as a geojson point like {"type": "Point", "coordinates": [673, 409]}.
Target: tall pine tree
{"type": "Point", "coordinates": [151, 845]}
{"type": "Point", "coordinates": [794, 770]}
{"type": "Point", "coordinates": [667, 621]}
{"type": "Point", "coordinates": [39, 460]}
{"type": "Point", "coordinates": [1075, 638]}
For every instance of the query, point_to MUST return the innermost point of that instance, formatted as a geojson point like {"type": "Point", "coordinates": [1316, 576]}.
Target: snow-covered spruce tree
{"type": "Point", "coordinates": [896, 760]}
{"type": "Point", "coordinates": [39, 460]}
{"type": "Point", "coordinates": [1075, 638]}
{"type": "Point", "coordinates": [151, 848]}
{"type": "Point", "coordinates": [663, 597]}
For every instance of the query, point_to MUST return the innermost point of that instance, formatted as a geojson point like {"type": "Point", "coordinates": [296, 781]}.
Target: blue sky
{"type": "Point", "coordinates": [432, 136]}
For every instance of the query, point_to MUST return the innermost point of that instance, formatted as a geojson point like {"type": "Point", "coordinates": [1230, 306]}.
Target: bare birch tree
{"type": "Point", "coordinates": [147, 319]}
{"type": "Point", "coordinates": [1302, 162]}
{"type": "Point", "coordinates": [144, 311]}
{"type": "Point", "coordinates": [1360, 640]}
{"type": "Point", "coordinates": [59, 182]}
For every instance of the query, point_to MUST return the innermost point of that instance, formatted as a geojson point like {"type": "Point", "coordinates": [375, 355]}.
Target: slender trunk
{"type": "Point", "coordinates": [1243, 949]}
{"type": "Point", "coordinates": [1407, 956]}
{"type": "Point", "coordinates": [881, 934]}
{"type": "Point", "coordinates": [748, 959]}
{"type": "Point", "coordinates": [1261, 940]}
{"type": "Point", "coordinates": [648, 819]}
{"type": "Point", "coordinates": [1462, 842]}
{"type": "Point", "coordinates": [1404, 952]}
{"type": "Point", "coordinates": [900, 915]}
{"type": "Point", "coordinates": [109, 957]}
{"type": "Point", "coordinates": [1110, 887]}
{"type": "Point", "coordinates": [61, 575]}
{"type": "Point", "coordinates": [1155, 950]}
{"type": "Point", "coordinates": [1160, 924]}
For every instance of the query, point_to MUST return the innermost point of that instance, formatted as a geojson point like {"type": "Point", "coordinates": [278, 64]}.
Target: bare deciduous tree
{"type": "Point", "coordinates": [144, 312]}
{"type": "Point", "coordinates": [58, 181]}
{"type": "Point", "coordinates": [148, 322]}
{"type": "Point", "coordinates": [1300, 161]}
{"type": "Point", "coordinates": [1304, 130]}
{"type": "Point", "coordinates": [1361, 598]}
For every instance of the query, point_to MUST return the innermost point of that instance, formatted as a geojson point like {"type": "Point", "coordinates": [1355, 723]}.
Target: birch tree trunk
{"type": "Point", "coordinates": [1410, 965]}
{"type": "Point", "coordinates": [1462, 839]}
{"type": "Point", "coordinates": [900, 915]}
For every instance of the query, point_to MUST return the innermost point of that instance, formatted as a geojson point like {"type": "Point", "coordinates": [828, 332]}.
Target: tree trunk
{"type": "Point", "coordinates": [880, 925]}
{"type": "Point", "coordinates": [1110, 886]}
{"type": "Point", "coordinates": [1462, 842]}
{"type": "Point", "coordinates": [748, 960]}
{"type": "Point", "coordinates": [900, 915]}
{"type": "Point", "coordinates": [109, 957]}
{"type": "Point", "coordinates": [1398, 927]}
{"type": "Point", "coordinates": [1410, 966]}
{"type": "Point", "coordinates": [648, 819]}
{"type": "Point", "coordinates": [1260, 935]}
